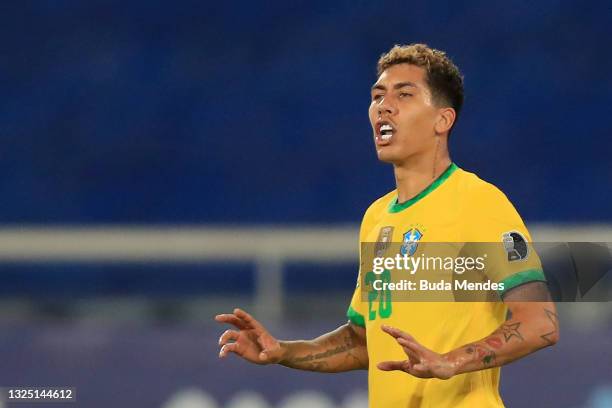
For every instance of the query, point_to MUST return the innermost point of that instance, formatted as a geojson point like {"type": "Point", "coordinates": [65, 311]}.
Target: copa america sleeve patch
{"type": "Point", "coordinates": [515, 245]}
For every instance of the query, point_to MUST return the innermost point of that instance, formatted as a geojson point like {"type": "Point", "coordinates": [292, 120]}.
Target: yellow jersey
{"type": "Point", "coordinates": [459, 208]}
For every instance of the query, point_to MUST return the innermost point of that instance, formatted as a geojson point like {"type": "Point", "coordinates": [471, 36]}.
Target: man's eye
{"type": "Point", "coordinates": [377, 97]}
{"type": "Point", "coordinates": [404, 94]}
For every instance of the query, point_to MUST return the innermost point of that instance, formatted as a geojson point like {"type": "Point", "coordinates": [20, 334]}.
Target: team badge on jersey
{"type": "Point", "coordinates": [515, 245]}
{"type": "Point", "coordinates": [411, 241]}
{"type": "Point", "coordinates": [384, 240]}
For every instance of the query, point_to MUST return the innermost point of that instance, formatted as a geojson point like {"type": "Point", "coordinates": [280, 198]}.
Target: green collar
{"type": "Point", "coordinates": [395, 207]}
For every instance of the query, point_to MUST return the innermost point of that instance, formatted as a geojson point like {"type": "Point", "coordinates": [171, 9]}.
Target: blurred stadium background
{"type": "Point", "coordinates": [164, 162]}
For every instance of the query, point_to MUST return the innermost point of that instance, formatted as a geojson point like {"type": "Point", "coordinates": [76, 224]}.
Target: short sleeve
{"type": "Point", "coordinates": [357, 309]}
{"type": "Point", "coordinates": [355, 312]}
{"type": "Point", "coordinates": [494, 229]}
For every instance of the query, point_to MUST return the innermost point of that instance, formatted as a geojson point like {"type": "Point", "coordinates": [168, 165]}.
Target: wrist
{"type": "Point", "coordinates": [284, 352]}
{"type": "Point", "coordinates": [452, 363]}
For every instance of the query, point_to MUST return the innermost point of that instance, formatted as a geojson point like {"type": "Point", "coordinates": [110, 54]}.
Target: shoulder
{"type": "Point", "coordinates": [380, 205]}
{"type": "Point", "coordinates": [481, 194]}
{"type": "Point", "coordinates": [487, 213]}
{"type": "Point", "coordinates": [377, 210]}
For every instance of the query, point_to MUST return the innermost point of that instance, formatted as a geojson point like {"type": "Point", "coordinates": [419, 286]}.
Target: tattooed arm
{"type": "Point", "coordinates": [531, 325]}
{"type": "Point", "coordinates": [343, 349]}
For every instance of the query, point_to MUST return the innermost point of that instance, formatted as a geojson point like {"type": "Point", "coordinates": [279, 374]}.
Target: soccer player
{"type": "Point", "coordinates": [424, 354]}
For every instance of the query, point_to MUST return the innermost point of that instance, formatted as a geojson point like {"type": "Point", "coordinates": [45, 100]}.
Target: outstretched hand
{"type": "Point", "coordinates": [422, 362]}
{"type": "Point", "coordinates": [251, 341]}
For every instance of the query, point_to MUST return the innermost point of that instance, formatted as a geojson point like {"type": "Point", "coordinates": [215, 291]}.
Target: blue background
{"type": "Point", "coordinates": [251, 112]}
{"type": "Point", "coordinates": [196, 112]}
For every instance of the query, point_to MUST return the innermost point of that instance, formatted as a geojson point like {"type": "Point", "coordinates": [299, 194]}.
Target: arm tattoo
{"type": "Point", "coordinates": [325, 354]}
{"type": "Point", "coordinates": [315, 366]}
{"type": "Point", "coordinates": [494, 342]}
{"type": "Point", "coordinates": [555, 322]}
{"type": "Point", "coordinates": [509, 342]}
{"type": "Point", "coordinates": [319, 361]}
{"type": "Point", "coordinates": [481, 353]}
{"type": "Point", "coordinates": [489, 359]}
{"type": "Point", "coordinates": [510, 330]}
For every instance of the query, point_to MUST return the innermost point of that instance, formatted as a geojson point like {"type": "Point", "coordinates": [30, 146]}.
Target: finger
{"type": "Point", "coordinates": [413, 346]}
{"type": "Point", "coordinates": [415, 351]}
{"type": "Point", "coordinates": [409, 349]}
{"type": "Point", "coordinates": [391, 365]}
{"type": "Point", "coordinates": [250, 320]}
{"type": "Point", "coordinates": [230, 348]}
{"type": "Point", "coordinates": [233, 320]}
{"type": "Point", "coordinates": [397, 333]}
{"type": "Point", "coordinates": [227, 336]}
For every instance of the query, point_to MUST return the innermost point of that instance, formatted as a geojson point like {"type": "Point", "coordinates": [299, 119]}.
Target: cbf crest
{"type": "Point", "coordinates": [411, 241]}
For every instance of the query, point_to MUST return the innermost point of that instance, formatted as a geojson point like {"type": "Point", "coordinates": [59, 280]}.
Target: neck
{"type": "Point", "coordinates": [415, 174]}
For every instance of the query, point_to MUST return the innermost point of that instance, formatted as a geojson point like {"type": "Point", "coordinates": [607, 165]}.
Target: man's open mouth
{"type": "Point", "coordinates": [386, 132]}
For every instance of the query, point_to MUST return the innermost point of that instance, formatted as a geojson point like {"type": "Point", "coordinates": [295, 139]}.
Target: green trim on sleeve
{"type": "Point", "coordinates": [355, 317]}
{"type": "Point", "coordinates": [519, 278]}
{"type": "Point", "coordinates": [395, 207]}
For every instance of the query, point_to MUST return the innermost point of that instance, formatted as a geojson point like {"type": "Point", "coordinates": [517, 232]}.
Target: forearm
{"type": "Point", "coordinates": [340, 350]}
{"type": "Point", "coordinates": [532, 326]}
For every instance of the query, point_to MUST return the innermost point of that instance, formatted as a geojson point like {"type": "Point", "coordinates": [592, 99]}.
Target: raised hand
{"type": "Point", "coordinates": [251, 341]}
{"type": "Point", "coordinates": [422, 362]}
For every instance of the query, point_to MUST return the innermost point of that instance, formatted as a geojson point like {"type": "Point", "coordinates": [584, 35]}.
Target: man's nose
{"type": "Point", "coordinates": [385, 108]}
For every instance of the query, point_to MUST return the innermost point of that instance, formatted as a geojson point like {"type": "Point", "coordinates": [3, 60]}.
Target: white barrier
{"type": "Point", "coordinates": [192, 243]}
{"type": "Point", "coordinates": [268, 248]}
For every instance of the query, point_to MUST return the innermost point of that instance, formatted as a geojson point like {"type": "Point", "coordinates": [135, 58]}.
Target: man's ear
{"type": "Point", "coordinates": [445, 120]}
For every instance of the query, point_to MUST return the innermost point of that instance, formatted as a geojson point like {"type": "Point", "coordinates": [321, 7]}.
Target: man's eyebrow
{"type": "Point", "coordinates": [403, 84]}
{"type": "Point", "coordinates": [396, 86]}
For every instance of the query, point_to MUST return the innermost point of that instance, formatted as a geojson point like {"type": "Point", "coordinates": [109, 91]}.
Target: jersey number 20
{"type": "Point", "coordinates": [383, 296]}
